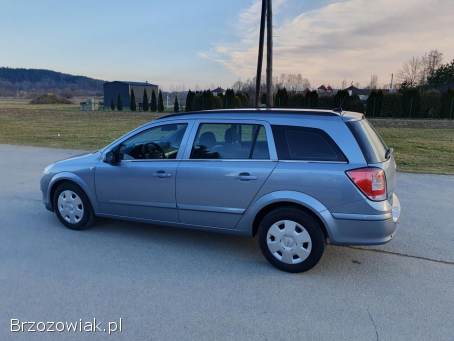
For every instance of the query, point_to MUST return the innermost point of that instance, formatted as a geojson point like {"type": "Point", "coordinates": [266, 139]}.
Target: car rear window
{"type": "Point", "coordinates": [370, 142]}
{"type": "Point", "coordinates": [305, 144]}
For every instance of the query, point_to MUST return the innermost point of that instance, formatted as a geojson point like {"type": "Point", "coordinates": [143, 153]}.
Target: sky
{"type": "Point", "coordinates": [182, 44]}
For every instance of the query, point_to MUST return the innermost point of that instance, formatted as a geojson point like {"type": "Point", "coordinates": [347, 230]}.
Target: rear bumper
{"type": "Point", "coordinates": [359, 229]}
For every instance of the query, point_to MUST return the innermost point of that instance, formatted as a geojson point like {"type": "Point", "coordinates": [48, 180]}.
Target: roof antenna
{"type": "Point", "coordinates": [339, 108]}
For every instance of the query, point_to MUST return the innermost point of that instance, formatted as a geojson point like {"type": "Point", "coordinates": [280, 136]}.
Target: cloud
{"type": "Point", "coordinates": [349, 39]}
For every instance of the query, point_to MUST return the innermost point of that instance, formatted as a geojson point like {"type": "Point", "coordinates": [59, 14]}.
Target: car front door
{"type": "Point", "coordinates": [142, 184]}
{"type": "Point", "coordinates": [223, 169]}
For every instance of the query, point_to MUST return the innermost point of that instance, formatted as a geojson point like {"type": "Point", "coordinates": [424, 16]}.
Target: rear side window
{"type": "Point", "coordinates": [230, 141]}
{"type": "Point", "coordinates": [306, 144]}
{"type": "Point", "coordinates": [370, 142]}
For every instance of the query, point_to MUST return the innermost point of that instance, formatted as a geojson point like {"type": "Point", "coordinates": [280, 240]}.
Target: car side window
{"type": "Point", "coordinates": [305, 144]}
{"type": "Point", "coordinates": [161, 142]}
{"type": "Point", "coordinates": [230, 141]}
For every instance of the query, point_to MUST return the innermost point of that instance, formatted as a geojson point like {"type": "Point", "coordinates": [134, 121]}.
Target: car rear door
{"type": "Point", "coordinates": [223, 169]}
{"type": "Point", "coordinates": [375, 151]}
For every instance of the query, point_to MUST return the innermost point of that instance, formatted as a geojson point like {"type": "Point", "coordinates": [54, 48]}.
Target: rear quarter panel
{"type": "Point", "coordinates": [325, 183]}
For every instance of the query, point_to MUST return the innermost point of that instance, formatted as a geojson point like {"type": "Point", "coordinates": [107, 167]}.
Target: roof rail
{"type": "Point", "coordinates": [321, 112]}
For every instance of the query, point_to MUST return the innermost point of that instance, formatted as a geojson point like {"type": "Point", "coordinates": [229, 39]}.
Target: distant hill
{"type": "Point", "coordinates": [31, 82]}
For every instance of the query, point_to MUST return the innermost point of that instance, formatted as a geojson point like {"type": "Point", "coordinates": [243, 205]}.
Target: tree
{"type": "Point", "coordinates": [297, 100]}
{"type": "Point", "coordinates": [447, 105]}
{"type": "Point", "coordinates": [343, 100]}
{"type": "Point", "coordinates": [189, 100]}
{"type": "Point", "coordinates": [312, 99]}
{"type": "Point", "coordinates": [176, 106]}
{"type": "Point", "coordinates": [160, 102]}
{"type": "Point", "coordinates": [282, 98]}
{"type": "Point", "coordinates": [374, 103]}
{"type": "Point", "coordinates": [145, 103]}
{"type": "Point", "coordinates": [218, 100]}
{"type": "Point", "coordinates": [443, 75]}
{"type": "Point", "coordinates": [132, 104]}
{"type": "Point", "coordinates": [411, 72]}
{"type": "Point", "coordinates": [431, 62]}
{"type": "Point", "coordinates": [340, 99]}
{"type": "Point", "coordinates": [112, 105]}
{"type": "Point", "coordinates": [373, 82]}
{"type": "Point", "coordinates": [153, 105]}
{"type": "Point", "coordinates": [243, 99]}
{"type": "Point", "coordinates": [293, 82]}
{"type": "Point", "coordinates": [418, 70]}
{"type": "Point", "coordinates": [411, 101]}
{"type": "Point", "coordinates": [119, 103]}
{"type": "Point", "coordinates": [229, 99]}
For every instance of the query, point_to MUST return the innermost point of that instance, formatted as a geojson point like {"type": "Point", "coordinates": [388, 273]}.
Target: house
{"type": "Point", "coordinates": [90, 105]}
{"type": "Point", "coordinates": [363, 94]}
{"type": "Point", "coordinates": [323, 90]}
{"type": "Point", "coordinates": [218, 91]}
{"type": "Point", "coordinates": [124, 89]}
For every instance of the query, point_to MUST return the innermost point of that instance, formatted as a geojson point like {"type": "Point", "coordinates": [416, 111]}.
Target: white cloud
{"type": "Point", "coordinates": [349, 39]}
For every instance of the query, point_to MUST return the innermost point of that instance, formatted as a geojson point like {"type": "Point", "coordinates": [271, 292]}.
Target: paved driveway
{"type": "Point", "coordinates": [171, 284]}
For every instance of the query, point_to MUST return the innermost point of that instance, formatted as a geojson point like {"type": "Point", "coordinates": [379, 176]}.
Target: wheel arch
{"type": "Point", "coordinates": [68, 178]}
{"type": "Point", "coordinates": [270, 201]}
{"type": "Point", "coordinates": [265, 210]}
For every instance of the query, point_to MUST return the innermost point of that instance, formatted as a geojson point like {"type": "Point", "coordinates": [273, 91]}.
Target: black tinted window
{"type": "Point", "coordinates": [230, 141]}
{"type": "Point", "coordinates": [160, 142]}
{"type": "Point", "coordinates": [370, 142]}
{"type": "Point", "coordinates": [306, 144]}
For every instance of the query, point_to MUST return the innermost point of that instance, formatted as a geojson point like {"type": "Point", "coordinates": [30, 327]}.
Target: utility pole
{"type": "Point", "coordinates": [266, 18]}
{"type": "Point", "coordinates": [269, 56]}
{"type": "Point", "coordinates": [258, 78]}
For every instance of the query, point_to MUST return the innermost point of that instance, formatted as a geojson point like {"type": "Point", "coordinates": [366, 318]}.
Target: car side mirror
{"type": "Point", "coordinates": [112, 157]}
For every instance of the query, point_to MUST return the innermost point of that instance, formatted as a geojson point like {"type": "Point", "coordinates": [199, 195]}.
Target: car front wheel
{"type": "Point", "coordinates": [72, 207]}
{"type": "Point", "coordinates": [291, 239]}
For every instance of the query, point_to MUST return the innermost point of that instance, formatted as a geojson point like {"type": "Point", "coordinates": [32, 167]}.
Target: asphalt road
{"type": "Point", "coordinates": [173, 284]}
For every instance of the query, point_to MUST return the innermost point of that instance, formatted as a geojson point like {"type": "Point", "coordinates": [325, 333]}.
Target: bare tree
{"type": "Point", "coordinates": [411, 72]}
{"type": "Point", "coordinates": [293, 82]}
{"type": "Point", "coordinates": [431, 61]}
{"type": "Point", "coordinates": [417, 70]}
{"type": "Point", "coordinates": [373, 82]}
{"type": "Point", "coordinates": [238, 85]}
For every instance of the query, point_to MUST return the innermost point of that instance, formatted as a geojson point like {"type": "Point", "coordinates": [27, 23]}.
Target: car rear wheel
{"type": "Point", "coordinates": [72, 207]}
{"type": "Point", "coordinates": [291, 239]}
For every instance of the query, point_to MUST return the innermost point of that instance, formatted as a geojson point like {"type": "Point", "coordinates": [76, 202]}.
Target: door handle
{"type": "Point", "coordinates": [162, 174]}
{"type": "Point", "coordinates": [245, 176]}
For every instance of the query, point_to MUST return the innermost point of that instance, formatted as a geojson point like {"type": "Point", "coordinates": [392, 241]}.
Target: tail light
{"type": "Point", "coordinates": [371, 182]}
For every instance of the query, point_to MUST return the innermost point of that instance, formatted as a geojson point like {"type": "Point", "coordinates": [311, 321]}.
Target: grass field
{"type": "Point", "coordinates": [420, 146]}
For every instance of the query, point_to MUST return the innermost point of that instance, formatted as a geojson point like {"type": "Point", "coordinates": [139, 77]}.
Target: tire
{"type": "Point", "coordinates": [291, 239]}
{"type": "Point", "coordinates": [72, 207]}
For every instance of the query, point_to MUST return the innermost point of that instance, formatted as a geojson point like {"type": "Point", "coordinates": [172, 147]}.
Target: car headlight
{"type": "Point", "coordinates": [48, 168]}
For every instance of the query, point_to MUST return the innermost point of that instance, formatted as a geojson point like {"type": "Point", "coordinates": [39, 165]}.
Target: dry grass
{"type": "Point", "coordinates": [64, 126]}
{"type": "Point", "coordinates": [422, 150]}
{"type": "Point", "coordinates": [420, 146]}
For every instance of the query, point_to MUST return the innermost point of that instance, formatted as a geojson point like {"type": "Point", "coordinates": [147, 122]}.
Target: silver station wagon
{"type": "Point", "coordinates": [296, 179]}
